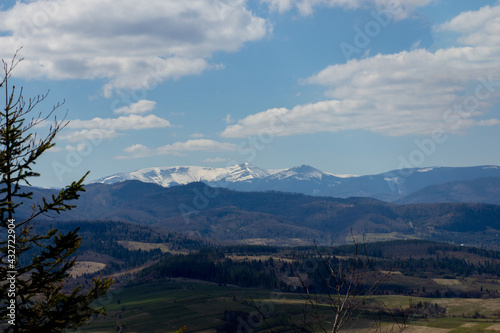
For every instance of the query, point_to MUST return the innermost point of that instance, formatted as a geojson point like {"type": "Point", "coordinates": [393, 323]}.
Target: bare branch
{"type": "Point", "coordinates": [344, 283]}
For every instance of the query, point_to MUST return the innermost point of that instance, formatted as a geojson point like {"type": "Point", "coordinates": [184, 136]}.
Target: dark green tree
{"type": "Point", "coordinates": [40, 301]}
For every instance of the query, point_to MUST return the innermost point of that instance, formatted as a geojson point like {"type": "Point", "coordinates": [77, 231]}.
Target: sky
{"type": "Point", "coordinates": [346, 86]}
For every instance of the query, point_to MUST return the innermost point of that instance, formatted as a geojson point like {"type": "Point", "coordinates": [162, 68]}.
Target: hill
{"type": "Point", "coordinates": [481, 190]}
{"type": "Point", "coordinates": [281, 218]}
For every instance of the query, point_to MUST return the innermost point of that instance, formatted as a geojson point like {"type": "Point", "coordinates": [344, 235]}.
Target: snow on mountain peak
{"type": "Point", "coordinates": [182, 175]}
{"type": "Point", "coordinates": [425, 169]}
{"type": "Point", "coordinates": [244, 172]}
{"type": "Point", "coordinates": [238, 173]}
{"type": "Point", "coordinates": [301, 172]}
{"type": "Point", "coordinates": [305, 179]}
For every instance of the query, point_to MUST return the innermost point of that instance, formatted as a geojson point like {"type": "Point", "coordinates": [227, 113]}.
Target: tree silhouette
{"type": "Point", "coordinates": [35, 298]}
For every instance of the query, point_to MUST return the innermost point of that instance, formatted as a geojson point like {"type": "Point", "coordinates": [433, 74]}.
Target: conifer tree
{"type": "Point", "coordinates": [34, 297]}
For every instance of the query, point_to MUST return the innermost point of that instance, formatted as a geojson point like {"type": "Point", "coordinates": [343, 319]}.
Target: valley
{"type": "Point", "coordinates": [213, 258]}
{"type": "Point", "coordinates": [265, 166]}
{"type": "Point", "coordinates": [166, 280]}
{"type": "Point", "coordinates": [175, 290]}
{"type": "Point", "coordinates": [203, 307]}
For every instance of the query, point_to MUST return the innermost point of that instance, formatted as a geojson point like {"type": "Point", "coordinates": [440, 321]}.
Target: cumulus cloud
{"type": "Point", "coordinates": [98, 129]}
{"type": "Point", "coordinates": [78, 147]}
{"type": "Point", "coordinates": [399, 8]}
{"type": "Point", "coordinates": [478, 28]}
{"type": "Point", "coordinates": [130, 122]}
{"type": "Point", "coordinates": [85, 134]}
{"type": "Point", "coordinates": [179, 148]}
{"type": "Point", "coordinates": [127, 43]}
{"type": "Point", "coordinates": [411, 92]}
{"type": "Point", "coordinates": [142, 106]}
{"type": "Point", "coordinates": [136, 149]}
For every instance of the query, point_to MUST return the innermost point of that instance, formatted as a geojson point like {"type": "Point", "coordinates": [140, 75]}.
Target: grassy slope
{"type": "Point", "coordinates": [167, 306]}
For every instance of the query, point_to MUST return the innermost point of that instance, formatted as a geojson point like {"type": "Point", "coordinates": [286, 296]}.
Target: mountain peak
{"type": "Point", "coordinates": [301, 172]}
{"type": "Point", "coordinates": [245, 172]}
{"type": "Point", "coordinates": [306, 179]}
{"type": "Point", "coordinates": [182, 175]}
{"type": "Point", "coordinates": [239, 173]}
{"type": "Point", "coordinates": [304, 168]}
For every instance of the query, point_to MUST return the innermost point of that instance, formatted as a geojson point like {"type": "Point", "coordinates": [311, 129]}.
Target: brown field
{"type": "Point", "coordinates": [133, 270]}
{"type": "Point", "coordinates": [448, 282]}
{"type": "Point", "coordinates": [409, 329]}
{"type": "Point", "coordinates": [468, 305]}
{"type": "Point", "coordinates": [425, 329]}
{"type": "Point", "coordinates": [263, 258]}
{"type": "Point", "coordinates": [134, 246]}
{"type": "Point", "coordinates": [377, 237]}
{"type": "Point", "coordinates": [392, 272]}
{"type": "Point", "coordinates": [495, 327]}
{"type": "Point", "coordinates": [271, 242]}
{"type": "Point", "coordinates": [84, 267]}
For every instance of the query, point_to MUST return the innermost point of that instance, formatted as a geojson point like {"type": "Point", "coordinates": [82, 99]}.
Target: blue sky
{"type": "Point", "coordinates": [349, 87]}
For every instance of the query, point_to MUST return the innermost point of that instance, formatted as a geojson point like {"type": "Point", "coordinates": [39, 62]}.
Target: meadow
{"type": "Point", "coordinates": [166, 306]}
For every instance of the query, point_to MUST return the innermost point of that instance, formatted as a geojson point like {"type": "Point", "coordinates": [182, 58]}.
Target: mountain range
{"type": "Point", "coordinates": [276, 217]}
{"type": "Point", "coordinates": [244, 203]}
{"type": "Point", "coordinates": [413, 185]}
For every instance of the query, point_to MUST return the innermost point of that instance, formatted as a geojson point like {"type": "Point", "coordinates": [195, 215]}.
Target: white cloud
{"type": "Point", "coordinates": [399, 8]}
{"type": "Point", "coordinates": [55, 150]}
{"type": "Point", "coordinates": [489, 122]}
{"type": "Point", "coordinates": [228, 119]}
{"type": "Point", "coordinates": [98, 129]}
{"type": "Point", "coordinates": [142, 106]}
{"type": "Point", "coordinates": [130, 122]}
{"type": "Point", "coordinates": [215, 160]}
{"type": "Point", "coordinates": [179, 148]}
{"type": "Point", "coordinates": [411, 92]}
{"type": "Point", "coordinates": [478, 28]}
{"type": "Point", "coordinates": [129, 43]}
{"type": "Point", "coordinates": [416, 45]}
{"type": "Point", "coordinates": [197, 145]}
{"type": "Point", "coordinates": [280, 5]}
{"type": "Point", "coordinates": [136, 149]}
{"type": "Point", "coordinates": [94, 135]}
{"type": "Point", "coordinates": [78, 147]}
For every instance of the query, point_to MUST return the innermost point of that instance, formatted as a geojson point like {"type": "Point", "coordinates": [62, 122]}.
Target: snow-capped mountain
{"type": "Point", "coordinates": [388, 186]}
{"type": "Point", "coordinates": [302, 172]}
{"type": "Point", "coordinates": [182, 175]}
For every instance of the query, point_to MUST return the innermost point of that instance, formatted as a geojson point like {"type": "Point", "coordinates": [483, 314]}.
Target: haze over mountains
{"type": "Point", "coordinates": [244, 203]}
{"type": "Point", "coordinates": [276, 217]}
{"type": "Point", "coordinates": [400, 186]}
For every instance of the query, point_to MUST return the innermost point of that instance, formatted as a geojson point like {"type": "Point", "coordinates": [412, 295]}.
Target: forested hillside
{"type": "Point", "coordinates": [283, 218]}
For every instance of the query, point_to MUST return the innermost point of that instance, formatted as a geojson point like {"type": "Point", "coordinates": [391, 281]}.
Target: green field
{"type": "Point", "coordinates": [166, 306]}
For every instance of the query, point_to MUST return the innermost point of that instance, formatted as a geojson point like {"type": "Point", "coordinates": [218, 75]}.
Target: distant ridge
{"type": "Point", "coordinates": [182, 175]}
{"type": "Point", "coordinates": [271, 217]}
{"type": "Point", "coordinates": [480, 190]}
{"type": "Point", "coordinates": [245, 172]}
{"type": "Point", "coordinates": [389, 186]}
